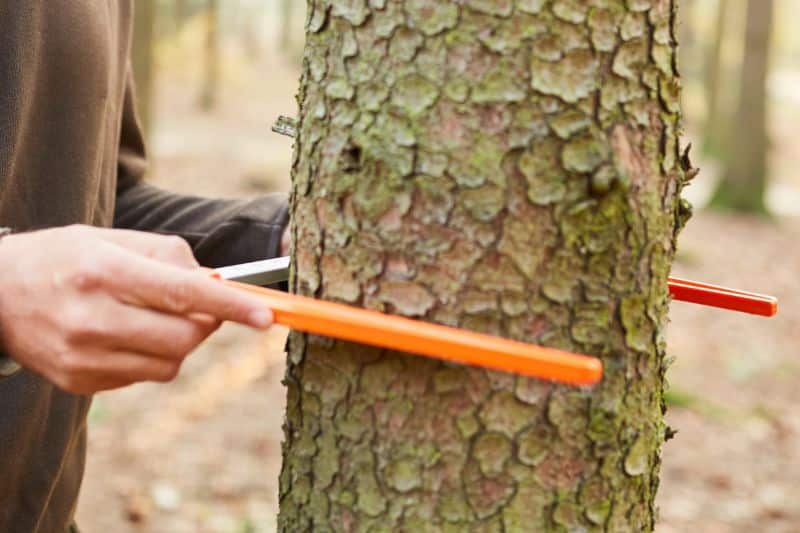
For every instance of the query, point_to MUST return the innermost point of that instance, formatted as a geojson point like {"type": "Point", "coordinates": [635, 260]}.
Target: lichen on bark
{"type": "Point", "coordinates": [509, 167]}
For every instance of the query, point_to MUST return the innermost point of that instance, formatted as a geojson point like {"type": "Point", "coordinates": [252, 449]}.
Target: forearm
{"type": "Point", "coordinates": [221, 232]}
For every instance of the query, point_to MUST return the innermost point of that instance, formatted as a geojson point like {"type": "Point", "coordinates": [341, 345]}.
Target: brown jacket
{"type": "Point", "coordinates": [71, 152]}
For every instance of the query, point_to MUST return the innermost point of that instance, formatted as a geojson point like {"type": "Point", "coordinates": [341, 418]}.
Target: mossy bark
{"type": "Point", "coordinates": [744, 181]}
{"type": "Point", "coordinates": [509, 167]}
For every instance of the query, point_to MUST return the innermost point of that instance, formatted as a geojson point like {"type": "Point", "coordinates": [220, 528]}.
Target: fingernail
{"type": "Point", "coordinates": [261, 319]}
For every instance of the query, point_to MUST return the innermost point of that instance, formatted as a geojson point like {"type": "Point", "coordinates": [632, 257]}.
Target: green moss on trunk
{"type": "Point", "coordinates": [509, 167]}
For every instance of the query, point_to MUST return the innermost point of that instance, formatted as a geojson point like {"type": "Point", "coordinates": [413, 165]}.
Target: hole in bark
{"type": "Point", "coordinates": [351, 159]}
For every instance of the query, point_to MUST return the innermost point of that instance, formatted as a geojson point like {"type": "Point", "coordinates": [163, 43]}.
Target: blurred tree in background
{"type": "Point", "coordinates": [157, 21]}
{"type": "Point", "coordinates": [208, 95]}
{"type": "Point", "coordinates": [715, 131]}
{"type": "Point", "coordinates": [181, 11]}
{"type": "Point", "coordinates": [743, 183]}
{"type": "Point", "coordinates": [287, 8]}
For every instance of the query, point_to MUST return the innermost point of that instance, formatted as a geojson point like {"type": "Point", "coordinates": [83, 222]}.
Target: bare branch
{"type": "Point", "coordinates": [285, 126]}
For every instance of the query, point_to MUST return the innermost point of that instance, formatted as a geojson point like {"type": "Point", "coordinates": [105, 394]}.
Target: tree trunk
{"type": "Point", "coordinates": [716, 123]}
{"type": "Point", "coordinates": [744, 182]}
{"type": "Point", "coordinates": [513, 171]}
{"type": "Point", "coordinates": [143, 59]}
{"type": "Point", "coordinates": [285, 33]}
{"type": "Point", "coordinates": [687, 35]}
{"type": "Point", "coordinates": [250, 26]}
{"type": "Point", "coordinates": [210, 89]}
{"type": "Point", "coordinates": [180, 12]}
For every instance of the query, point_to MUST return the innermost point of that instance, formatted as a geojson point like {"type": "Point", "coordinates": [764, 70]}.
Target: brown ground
{"type": "Point", "coordinates": [203, 454]}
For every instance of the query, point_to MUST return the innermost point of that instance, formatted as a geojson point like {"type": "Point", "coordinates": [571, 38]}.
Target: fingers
{"type": "Point", "coordinates": [90, 372]}
{"type": "Point", "coordinates": [120, 345]}
{"type": "Point", "coordinates": [122, 327]}
{"type": "Point", "coordinates": [165, 248]}
{"type": "Point", "coordinates": [146, 282]}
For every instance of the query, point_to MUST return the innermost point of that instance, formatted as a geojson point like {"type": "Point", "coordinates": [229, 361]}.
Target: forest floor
{"type": "Point", "coordinates": [203, 454]}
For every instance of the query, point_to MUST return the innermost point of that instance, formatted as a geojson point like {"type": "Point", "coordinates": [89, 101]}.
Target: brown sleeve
{"type": "Point", "coordinates": [221, 231]}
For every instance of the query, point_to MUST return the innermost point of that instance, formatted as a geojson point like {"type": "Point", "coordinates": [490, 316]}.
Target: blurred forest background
{"type": "Point", "coordinates": [203, 454]}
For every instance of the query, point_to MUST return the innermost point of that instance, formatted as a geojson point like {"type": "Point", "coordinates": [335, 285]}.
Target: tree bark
{"type": "Point", "coordinates": [744, 182]}
{"type": "Point", "coordinates": [716, 124]}
{"type": "Point", "coordinates": [505, 167]}
{"type": "Point", "coordinates": [143, 59]}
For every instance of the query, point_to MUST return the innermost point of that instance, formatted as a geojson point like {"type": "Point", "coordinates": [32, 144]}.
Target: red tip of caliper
{"type": "Point", "coordinates": [722, 297]}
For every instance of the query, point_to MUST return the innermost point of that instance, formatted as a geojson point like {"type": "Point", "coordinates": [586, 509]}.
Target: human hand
{"type": "Point", "coordinates": [94, 309]}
